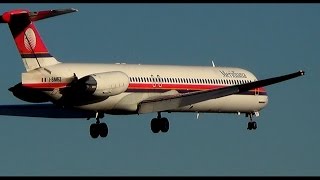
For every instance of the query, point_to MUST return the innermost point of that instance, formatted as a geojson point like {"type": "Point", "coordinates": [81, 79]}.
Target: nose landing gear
{"type": "Point", "coordinates": [251, 124]}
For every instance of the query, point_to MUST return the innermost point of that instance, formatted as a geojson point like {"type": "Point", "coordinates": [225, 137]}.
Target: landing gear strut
{"type": "Point", "coordinates": [251, 124]}
{"type": "Point", "coordinates": [159, 124]}
{"type": "Point", "coordinates": [98, 128]}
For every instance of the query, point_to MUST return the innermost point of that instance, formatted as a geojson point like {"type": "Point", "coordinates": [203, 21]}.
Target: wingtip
{"type": "Point", "coordinates": [302, 72]}
{"type": "Point", "coordinates": [74, 10]}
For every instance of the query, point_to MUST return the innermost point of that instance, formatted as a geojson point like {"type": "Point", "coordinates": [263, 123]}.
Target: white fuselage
{"type": "Point", "coordinates": [147, 81]}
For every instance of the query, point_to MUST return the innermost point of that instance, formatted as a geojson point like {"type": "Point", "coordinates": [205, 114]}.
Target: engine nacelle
{"type": "Point", "coordinates": [105, 84]}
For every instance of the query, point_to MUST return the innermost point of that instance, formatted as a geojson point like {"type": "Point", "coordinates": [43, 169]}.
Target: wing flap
{"type": "Point", "coordinates": [165, 103]}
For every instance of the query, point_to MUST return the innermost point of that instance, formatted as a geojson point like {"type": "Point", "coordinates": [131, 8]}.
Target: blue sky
{"type": "Point", "coordinates": [266, 39]}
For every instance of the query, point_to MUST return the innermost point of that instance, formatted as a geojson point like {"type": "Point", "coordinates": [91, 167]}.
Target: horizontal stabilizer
{"type": "Point", "coordinates": [34, 16]}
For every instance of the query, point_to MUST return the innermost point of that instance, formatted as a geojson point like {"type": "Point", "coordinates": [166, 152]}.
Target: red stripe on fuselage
{"type": "Point", "coordinates": [144, 86]}
{"type": "Point", "coordinates": [180, 86]}
{"type": "Point", "coordinates": [45, 85]}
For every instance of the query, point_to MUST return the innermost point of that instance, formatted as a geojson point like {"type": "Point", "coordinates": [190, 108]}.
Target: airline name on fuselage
{"type": "Point", "coordinates": [232, 74]}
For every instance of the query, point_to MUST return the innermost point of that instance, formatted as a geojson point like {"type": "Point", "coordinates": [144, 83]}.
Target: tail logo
{"type": "Point", "coordinates": [29, 39]}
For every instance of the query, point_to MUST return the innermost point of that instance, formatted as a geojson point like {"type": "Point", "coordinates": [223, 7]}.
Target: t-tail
{"type": "Point", "coordinates": [31, 47]}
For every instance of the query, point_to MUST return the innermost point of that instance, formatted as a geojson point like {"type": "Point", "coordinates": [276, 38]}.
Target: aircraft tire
{"type": "Point", "coordinates": [254, 125]}
{"type": "Point", "coordinates": [155, 125]}
{"type": "Point", "coordinates": [164, 124]}
{"type": "Point", "coordinates": [94, 130]}
{"type": "Point", "coordinates": [103, 130]}
{"type": "Point", "coordinates": [249, 125]}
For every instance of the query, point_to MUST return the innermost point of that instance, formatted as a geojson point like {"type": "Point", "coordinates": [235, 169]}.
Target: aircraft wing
{"type": "Point", "coordinates": [169, 102]}
{"type": "Point", "coordinates": [44, 110]}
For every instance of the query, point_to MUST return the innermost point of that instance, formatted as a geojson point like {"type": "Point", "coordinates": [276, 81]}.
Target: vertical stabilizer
{"type": "Point", "coordinates": [31, 47]}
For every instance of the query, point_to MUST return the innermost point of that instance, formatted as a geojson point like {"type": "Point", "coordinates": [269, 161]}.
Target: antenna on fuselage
{"type": "Point", "coordinates": [213, 63]}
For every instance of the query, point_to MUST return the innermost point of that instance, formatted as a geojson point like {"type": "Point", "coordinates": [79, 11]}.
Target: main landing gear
{"type": "Point", "coordinates": [98, 128]}
{"type": "Point", "coordinates": [159, 124]}
{"type": "Point", "coordinates": [251, 124]}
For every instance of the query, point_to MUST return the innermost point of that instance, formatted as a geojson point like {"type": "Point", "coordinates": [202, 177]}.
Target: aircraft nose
{"type": "Point", "coordinates": [263, 100]}
{"type": "Point", "coordinates": [263, 97]}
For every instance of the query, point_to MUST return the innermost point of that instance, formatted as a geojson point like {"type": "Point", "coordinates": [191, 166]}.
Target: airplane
{"type": "Point", "coordinates": [84, 90]}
